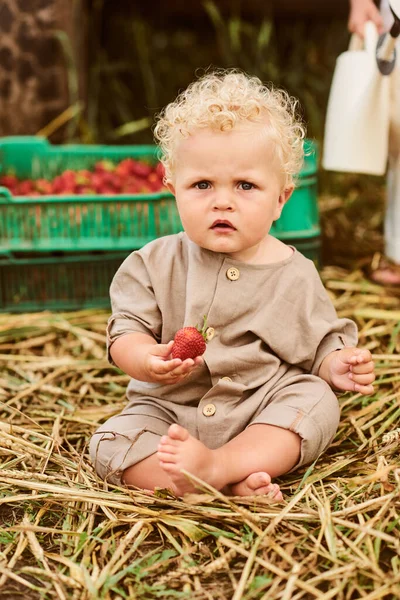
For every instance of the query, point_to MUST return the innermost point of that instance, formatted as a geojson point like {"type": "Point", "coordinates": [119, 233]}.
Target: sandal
{"type": "Point", "coordinates": [384, 271]}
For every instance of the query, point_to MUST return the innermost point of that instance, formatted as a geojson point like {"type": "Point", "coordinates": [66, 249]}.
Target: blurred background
{"type": "Point", "coordinates": [112, 64]}
{"type": "Point", "coordinates": [96, 71]}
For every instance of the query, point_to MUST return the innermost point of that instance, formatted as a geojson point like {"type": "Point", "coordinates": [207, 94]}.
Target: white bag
{"type": "Point", "coordinates": [357, 120]}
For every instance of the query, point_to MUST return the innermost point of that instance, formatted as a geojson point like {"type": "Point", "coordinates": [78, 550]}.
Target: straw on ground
{"type": "Point", "coordinates": [65, 534]}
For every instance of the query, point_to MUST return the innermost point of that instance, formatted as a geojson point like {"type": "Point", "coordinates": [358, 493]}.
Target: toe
{"type": "Point", "coordinates": [168, 467]}
{"type": "Point", "coordinates": [257, 480]}
{"type": "Point", "coordinates": [166, 457]}
{"type": "Point", "coordinates": [168, 448]}
{"type": "Point", "coordinates": [262, 491]}
{"type": "Point", "coordinates": [276, 493]}
{"type": "Point", "coordinates": [176, 432]}
{"type": "Point", "coordinates": [263, 479]}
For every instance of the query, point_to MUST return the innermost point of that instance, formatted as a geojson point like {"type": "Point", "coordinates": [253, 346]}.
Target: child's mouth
{"type": "Point", "coordinates": [222, 225]}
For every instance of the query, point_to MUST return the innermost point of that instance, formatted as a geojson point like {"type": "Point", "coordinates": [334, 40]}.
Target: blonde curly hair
{"type": "Point", "coordinates": [222, 99]}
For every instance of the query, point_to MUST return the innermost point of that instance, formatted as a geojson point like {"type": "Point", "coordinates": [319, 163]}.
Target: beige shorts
{"type": "Point", "coordinates": [305, 405]}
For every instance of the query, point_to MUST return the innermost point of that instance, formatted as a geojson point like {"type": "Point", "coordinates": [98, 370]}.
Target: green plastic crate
{"type": "Point", "coordinates": [74, 281]}
{"type": "Point", "coordinates": [79, 223]}
{"type": "Point", "coordinates": [57, 282]}
{"type": "Point", "coordinates": [118, 222]}
{"type": "Point", "coordinates": [311, 248]}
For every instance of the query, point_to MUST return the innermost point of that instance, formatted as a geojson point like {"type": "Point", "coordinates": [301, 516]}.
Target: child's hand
{"type": "Point", "coordinates": [351, 370]}
{"type": "Point", "coordinates": [162, 369]}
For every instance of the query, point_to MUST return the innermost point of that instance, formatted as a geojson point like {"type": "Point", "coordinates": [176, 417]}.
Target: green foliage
{"type": "Point", "coordinates": [6, 537]}
{"type": "Point", "coordinates": [294, 54]}
{"type": "Point", "coordinates": [138, 64]}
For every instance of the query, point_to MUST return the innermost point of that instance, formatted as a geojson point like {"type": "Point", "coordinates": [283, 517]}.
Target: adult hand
{"type": "Point", "coordinates": [362, 11]}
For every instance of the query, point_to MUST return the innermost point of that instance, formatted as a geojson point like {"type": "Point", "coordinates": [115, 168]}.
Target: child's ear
{"type": "Point", "coordinates": [283, 198]}
{"type": "Point", "coordinates": [170, 187]}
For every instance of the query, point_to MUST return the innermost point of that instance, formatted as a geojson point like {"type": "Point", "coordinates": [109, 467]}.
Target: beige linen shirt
{"type": "Point", "coordinates": [270, 327]}
{"type": "Point", "coordinates": [266, 322]}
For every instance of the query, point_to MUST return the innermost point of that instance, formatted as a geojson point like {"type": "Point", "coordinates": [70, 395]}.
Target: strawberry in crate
{"type": "Point", "coordinates": [129, 176]}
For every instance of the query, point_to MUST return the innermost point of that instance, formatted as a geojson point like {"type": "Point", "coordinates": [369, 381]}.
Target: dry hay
{"type": "Point", "coordinates": [64, 534]}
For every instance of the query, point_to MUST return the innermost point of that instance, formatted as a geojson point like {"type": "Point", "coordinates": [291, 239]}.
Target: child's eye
{"type": "Point", "coordinates": [246, 185]}
{"type": "Point", "coordinates": [202, 185]}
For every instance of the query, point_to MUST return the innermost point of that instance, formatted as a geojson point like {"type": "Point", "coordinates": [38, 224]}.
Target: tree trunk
{"type": "Point", "coordinates": [40, 75]}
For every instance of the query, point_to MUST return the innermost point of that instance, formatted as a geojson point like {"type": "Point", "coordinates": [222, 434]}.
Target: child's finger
{"type": "Point", "coordinates": [186, 367]}
{"type": "Point", "coordinates": [363, 368]}
{"type": "Point", "coordinates": [364, 389]}
{"type": "Point", "coordinates": [365, 379]}
{"type": "Point", "coordinates": [164, 367]}
{"type": "Point", "coordinates": [172, 368]}
{"type": "Point", "coordinates": [163, 350]}
{"type": "Point", "coordinates": [364, 356]}
{"type": "Point", "coordinates": [356, 356]}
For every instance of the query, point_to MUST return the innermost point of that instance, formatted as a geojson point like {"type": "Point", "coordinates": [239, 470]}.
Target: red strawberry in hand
{"type": "Point", "coordinates": [189, 342]}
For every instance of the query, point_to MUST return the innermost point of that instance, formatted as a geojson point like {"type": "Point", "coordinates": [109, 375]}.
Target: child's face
{"type": "Point", "coordinates": [229, 190]}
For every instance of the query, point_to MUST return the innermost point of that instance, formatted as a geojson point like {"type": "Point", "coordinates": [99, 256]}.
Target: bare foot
{"type": "Point", "coordinates": [384, 271]}
{"type": "Point", "coordinates": [178, 450]}
{"type": "Point", "coordinates": [386, 276]}
{"type": "Point", "coordinates": [257, 484]}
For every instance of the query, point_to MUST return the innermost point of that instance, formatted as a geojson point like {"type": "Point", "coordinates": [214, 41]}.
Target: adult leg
{"type": "Point", "coordinates": [388, 271]}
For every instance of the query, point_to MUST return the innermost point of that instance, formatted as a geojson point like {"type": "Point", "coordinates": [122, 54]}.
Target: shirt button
{"type": "Point", "coordinates": [233, 274]}
{"type": "Point", "coordinates": [209, 410]}
{"type": "Point", "coordinates": [226, 379]}
{"type": "Point", "coordinates": [210, 332]}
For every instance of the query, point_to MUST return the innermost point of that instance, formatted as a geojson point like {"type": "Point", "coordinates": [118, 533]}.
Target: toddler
{"type": "Point", "coordinates": [259, 403]}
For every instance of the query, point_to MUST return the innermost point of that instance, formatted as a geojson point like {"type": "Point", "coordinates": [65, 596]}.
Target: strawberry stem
{"type": "Point", "coordinates": [203, 329]}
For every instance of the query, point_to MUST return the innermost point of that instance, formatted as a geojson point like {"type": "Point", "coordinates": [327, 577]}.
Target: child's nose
{"type": "Point", "coordinates": [223, 201]}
